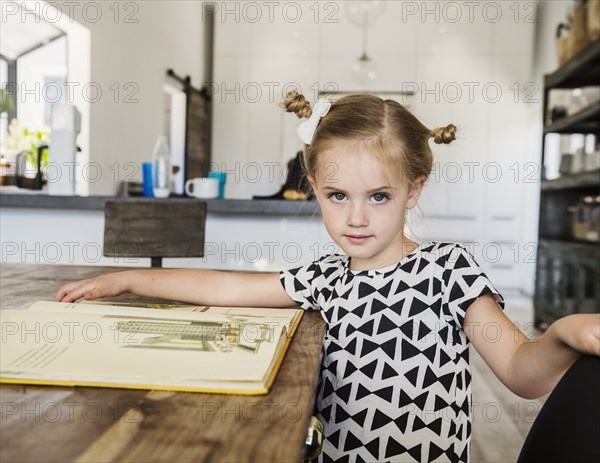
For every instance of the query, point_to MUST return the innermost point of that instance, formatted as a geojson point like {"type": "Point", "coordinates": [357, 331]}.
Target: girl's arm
{"type": "Point", "coordinates": [203, 287]}
{"type": "Point", "coordinates": [529, 368]}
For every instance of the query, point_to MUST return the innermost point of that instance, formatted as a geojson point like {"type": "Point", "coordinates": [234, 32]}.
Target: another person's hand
{"type": "Point", "coordinates": [581, 332]}
{"type": "Point", "coordinates": [109, 285]}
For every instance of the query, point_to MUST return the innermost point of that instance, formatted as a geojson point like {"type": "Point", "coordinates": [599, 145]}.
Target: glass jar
{"type": "Point", "coordinates": [579, 222]}
{"type": "Point", "coordinates": [592, 232]}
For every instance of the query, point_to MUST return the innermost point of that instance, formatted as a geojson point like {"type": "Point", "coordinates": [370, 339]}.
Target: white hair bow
{"type": "Point", "coordinates": [306, 130]}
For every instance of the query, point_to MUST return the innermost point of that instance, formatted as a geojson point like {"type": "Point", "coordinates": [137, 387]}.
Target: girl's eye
{"type": "Point", "coordinates": [337, 196]}
{"type": "Point", "coordinates": [380, 197]}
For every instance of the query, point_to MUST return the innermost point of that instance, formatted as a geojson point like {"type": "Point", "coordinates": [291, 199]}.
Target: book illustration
{"type": "Point", "coordinates": [223, 337]}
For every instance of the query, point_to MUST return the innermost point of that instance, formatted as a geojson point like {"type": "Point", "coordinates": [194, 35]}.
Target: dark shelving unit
{"type": "Point", "coordinates": [580, 71]}
{"type": "Point", "coordinates": [574, 181]}
{"type": "Point", "coordinates": [568, 270]}
{"type": "Point", "coordinates": [584, 121]}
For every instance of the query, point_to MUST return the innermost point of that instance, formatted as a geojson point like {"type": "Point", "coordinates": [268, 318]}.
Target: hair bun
{"type": "Point", "coordinates": [296, 103]}
{"type": "Point", "coordinates": [444, 134]}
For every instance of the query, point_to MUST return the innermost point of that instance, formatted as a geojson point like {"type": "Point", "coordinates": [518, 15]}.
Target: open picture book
{"type": "Point", "coordinates": [170, 347]}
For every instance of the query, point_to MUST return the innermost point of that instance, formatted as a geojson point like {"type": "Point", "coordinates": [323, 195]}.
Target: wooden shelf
{"type": "Point", "coordinates": [574, 245]}
{"type": "Point", "coordinates": [574, 181]}
{"type": "Point", "coordinates": [584, 121]}
{"type": "Point", "coordinates": [581, 70]}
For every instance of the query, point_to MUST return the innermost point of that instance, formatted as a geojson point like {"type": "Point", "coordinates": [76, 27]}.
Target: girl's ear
{"type": "Point", "coordinates": [414, 193]}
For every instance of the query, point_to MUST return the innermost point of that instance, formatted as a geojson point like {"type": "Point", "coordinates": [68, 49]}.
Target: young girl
{"type": "Point", "coordinates": [395, 382]}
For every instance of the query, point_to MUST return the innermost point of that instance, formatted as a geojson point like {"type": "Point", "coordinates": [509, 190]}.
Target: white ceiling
{"type": "Point", "coordinates": [23, 31]}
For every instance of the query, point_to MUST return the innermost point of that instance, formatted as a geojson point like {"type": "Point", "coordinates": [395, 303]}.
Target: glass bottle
{"type": "Point", "coordinates": [579, 220]}
{"type": "Point", "coordinates": [162, 168]}
{"type": "Point", "coordinates": [592, 232]}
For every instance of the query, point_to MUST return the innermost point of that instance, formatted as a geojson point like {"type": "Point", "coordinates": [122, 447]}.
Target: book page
{"type": "Point", "coordinates": [131, 345]}
{"type": "Point", "coordinates": [102, 307]}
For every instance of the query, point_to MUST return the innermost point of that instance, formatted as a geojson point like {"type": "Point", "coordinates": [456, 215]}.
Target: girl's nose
{"type": "Point", "coordinates": [358, 215]}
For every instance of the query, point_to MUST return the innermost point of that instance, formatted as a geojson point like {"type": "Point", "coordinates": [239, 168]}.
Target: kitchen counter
{"type": "Point", "coordinates": [241, 234]}
{"type": "Point", "coordinates": [214, 206]}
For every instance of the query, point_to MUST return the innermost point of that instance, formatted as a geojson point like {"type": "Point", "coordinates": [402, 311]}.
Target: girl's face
{"type": "Point", "coordinates": [363, 207]}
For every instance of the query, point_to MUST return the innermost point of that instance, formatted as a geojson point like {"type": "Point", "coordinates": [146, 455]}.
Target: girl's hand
{"type": "Point", "coordinates": [581, 332]}
{"type": "Point", "coordinates": [109, 285]}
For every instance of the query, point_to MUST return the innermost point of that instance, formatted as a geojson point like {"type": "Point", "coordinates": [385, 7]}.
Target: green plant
{"type": "Point", "coordinates": [5, 101]}
{"type": "Point", "coordinates": [22, 139]}
{"type": "Point", "coordinates": [33, 139]}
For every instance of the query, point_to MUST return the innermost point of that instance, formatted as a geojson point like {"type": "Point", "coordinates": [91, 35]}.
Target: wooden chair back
{"type": "Point", "coordinates": [154, 228]}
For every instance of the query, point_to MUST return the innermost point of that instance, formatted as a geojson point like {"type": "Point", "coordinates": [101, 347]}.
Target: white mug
{"type": "Point", "coordinates": [201, 187]}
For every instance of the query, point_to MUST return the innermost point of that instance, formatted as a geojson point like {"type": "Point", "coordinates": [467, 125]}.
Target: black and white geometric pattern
{"type": "Point", "coordinates": [395, 383]}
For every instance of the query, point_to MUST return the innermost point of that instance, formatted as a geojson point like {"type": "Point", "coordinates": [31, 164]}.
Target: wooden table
{"type": "Point", "coordinates": [88, 424]}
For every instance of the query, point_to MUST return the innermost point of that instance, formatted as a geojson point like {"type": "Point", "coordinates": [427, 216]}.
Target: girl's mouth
{"type": "Point", "coordinates": [357, 239]}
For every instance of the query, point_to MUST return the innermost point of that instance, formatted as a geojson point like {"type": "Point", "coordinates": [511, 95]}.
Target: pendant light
{"type": "Point", "coordinates": [363, 71]}
{"type": "Point", "coordinates": [364, 14]}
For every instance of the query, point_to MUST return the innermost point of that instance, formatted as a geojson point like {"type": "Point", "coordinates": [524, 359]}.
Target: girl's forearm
{"type": "Point", "coordinates": [538, 365]}
{"type": "Point", "coordinates": [209, 287]}
{"type": "Point", "coordinates": [196, 286]}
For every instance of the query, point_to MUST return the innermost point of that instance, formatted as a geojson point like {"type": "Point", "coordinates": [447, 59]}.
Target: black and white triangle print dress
{"type": "Point", "coordinates": [395, 383]}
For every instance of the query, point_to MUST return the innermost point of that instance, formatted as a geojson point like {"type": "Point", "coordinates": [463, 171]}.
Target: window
{"type": "Point", "coordinates": [41, 77]}
{"type": "Point", "coordinates": [33, 61]}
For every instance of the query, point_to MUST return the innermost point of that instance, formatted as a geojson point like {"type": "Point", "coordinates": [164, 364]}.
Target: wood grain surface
{"type": "Point", "coordinates": [154, 228]}
{"type": "Point", "coordinates": [88, 424]}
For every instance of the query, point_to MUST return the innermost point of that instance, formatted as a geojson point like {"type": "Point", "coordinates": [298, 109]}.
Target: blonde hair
{"type": "Point", "coordinates": [385, 127]}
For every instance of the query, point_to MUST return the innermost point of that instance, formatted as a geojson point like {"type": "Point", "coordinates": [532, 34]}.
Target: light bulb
{"type": "Point", "coordinates": [364, 70]}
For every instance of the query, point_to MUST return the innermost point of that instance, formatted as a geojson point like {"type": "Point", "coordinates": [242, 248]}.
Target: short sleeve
{"type": "Point", "coordinates": [297, 283]}
{"type": "Point", "coordinates": [310, 285]}
{"type": "Point", "coordinates": [464, 283]}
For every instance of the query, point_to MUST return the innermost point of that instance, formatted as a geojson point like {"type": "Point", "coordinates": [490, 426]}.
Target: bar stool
{"type": "Point", "coordinates": [154, 228]}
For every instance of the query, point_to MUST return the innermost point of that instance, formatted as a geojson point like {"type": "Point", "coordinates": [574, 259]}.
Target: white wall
{"type": "Point", "coordinates": [132, 46]}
